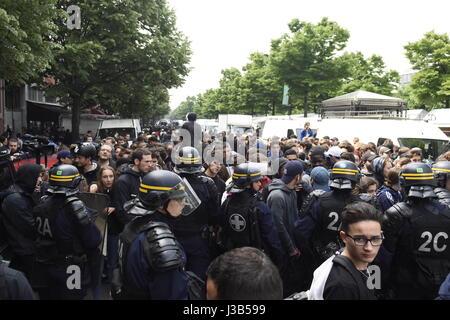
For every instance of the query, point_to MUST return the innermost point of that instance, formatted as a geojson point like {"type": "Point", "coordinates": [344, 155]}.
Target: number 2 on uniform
{"type": "Point", "coordinates": [429, 236]}
{"type": "Point", "coordinates": [333, 224]}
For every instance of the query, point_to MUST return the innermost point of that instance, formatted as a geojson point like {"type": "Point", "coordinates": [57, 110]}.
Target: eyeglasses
{"type": "Point", "coordinates": [361, 241]}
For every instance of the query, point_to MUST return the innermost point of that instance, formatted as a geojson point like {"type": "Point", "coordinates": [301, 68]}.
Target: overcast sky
{"type": "Point", "coordinates": [223, 33]}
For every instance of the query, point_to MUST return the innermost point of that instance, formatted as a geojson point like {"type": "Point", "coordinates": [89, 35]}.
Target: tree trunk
{"type": "Point", "coordinates": [76, 109]}
{"type": "Point", "coordinates": [305, 105]}
{"type": "Point", "coordinates": [273, 107]}
{"type": "Point", "coordinates": [447, 103]}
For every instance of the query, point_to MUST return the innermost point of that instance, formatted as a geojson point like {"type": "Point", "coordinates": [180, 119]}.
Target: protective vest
{"type": "Point", "coordinates": [241, 226]}
{"type": "Point", "coordinates": [50, 248]}
{"type": "Point", "coordinates": [431, 246]}
{"type": "Point", "coordinates": [422, 259]}
{"type": "Point", "coordinates": [325, 240]}
{"type": "Point", "coordinates": [160, 249]}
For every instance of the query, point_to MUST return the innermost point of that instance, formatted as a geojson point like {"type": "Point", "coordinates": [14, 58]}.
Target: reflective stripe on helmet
{"type": "Point", "coordinates": [440, 169]}
{"type": "Point", "coordinates": [160, 188]}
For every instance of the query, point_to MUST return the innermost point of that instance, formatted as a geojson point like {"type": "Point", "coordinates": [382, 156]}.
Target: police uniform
{"type": "Point", "coordinates": [415, 257]}
{"type": "Point", "coordinates": [317, 229]}
{"type": "Point", "coordinates": [67, 239]}
{"type": "Point", "coordinates": [150, 257]}
{"type": "Point", "coordinates": [441, 170]}
{"type": "Point", "coordinates": [192, 230]}
{"type": "Point", "coordinates": [245, 219]}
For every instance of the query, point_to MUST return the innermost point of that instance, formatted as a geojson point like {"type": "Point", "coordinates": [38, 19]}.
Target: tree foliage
{"type": "Point", "coordinates": [26, 30]}
{"type": "Point", "coordinates": [431, 57]}
{"type": "Point", "coordinates": [369, 75]}
{"type": "Point", "coordinates": [126, 56]}
{"type": "Point", "coordinates": [305, 59]}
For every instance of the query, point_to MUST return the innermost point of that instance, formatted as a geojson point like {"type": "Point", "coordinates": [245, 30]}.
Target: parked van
{"type": "Point", "coordinates": [284, 127]}
{"type": "Point", "coordinates": [403, 132]}
{"type": "Point", "coordinates": [119, 127]}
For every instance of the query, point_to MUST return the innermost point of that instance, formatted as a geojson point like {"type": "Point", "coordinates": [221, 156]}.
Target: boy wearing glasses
{"type": "Point", "coordinates": [345, 276]}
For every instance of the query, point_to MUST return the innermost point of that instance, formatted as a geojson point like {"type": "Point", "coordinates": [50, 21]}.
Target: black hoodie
{"type": "Point", "coordinates": [125, 188]}
{"type": "Point", "coordinates": [17, 210]}
{"type": "Point", "coordinates": [27, 176]}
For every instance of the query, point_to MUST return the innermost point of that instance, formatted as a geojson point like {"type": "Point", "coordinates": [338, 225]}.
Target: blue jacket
{"type": "Point", "coordinates": [387, 197]}
{"type": "Point", "coordinates": [306, 133]}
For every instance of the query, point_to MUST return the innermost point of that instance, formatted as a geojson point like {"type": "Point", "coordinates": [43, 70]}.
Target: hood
{"type": "Point", "coordinates": [278, 184]}
{"type": "Point", "coordinates": [27, 176]}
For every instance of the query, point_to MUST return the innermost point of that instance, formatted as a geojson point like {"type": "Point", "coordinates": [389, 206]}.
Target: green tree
{"type": "Point", "coordinates": [26, 30]}
{"type": "Point", "coordinates": [369, 74]}
{"type": "Point", "coordinates": [405, 93]}
{"type": "Point", "coordinates": [306, 59]}
{"type": "Point", "coordinates": [263, 89]}
{"type": "Point", "coordinates": [189, 105]}
{"type": "Point", "coordinates": [125, 53]}
{"type": "Point", "coordinates": [431, 57]}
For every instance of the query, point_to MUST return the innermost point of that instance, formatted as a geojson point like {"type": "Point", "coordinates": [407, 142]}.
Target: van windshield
{"type": "Point", "coordinates": [431, 148]}
{"type": "Point", "coordinates": [116, 132]}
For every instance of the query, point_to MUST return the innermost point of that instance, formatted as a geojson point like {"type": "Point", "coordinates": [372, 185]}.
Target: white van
{"type": "Point", "coordinates": [403, 132]}
{"type": "Point", "coordinates": [119, 127]}
{"type": "Point", "coordinates": [284, 127]}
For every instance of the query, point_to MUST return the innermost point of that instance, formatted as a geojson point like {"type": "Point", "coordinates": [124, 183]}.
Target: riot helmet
{"type": "Point", "coordinates": [418, 180]}
{"type": "Point", "coordinates": [441, 171]}
{"type": "Point", "coordinates": [243, 176]}
{"type": "Point", "coordinates": [159, 187]}
{"type": "Point", "coordinates": [64, 179]}
{"type": "Point", "coordinates": [188, 161]}
{"type": "Point", "coordinates": [344, 175]}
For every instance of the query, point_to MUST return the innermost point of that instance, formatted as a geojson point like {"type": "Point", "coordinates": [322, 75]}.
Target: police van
{"type": "Point", "coordinates": [403, 132]}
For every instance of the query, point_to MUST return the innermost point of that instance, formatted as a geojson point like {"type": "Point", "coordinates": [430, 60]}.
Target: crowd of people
{"type": "Point", "coordinates": [199, 216]}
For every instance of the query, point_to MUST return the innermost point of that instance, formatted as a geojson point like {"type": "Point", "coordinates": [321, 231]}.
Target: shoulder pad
{"type": "Point", "coordinates": [78, 209]}
{"type": "Point", "coordinates": [161, 249]}
{"type": "Point", "coordinates": [312, 197]}
{"type": "Point", "coordinates": [394, 216]}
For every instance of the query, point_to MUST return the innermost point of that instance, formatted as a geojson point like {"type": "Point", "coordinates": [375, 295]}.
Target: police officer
{"type": "Point", "coordinates": [246, 220]}
{"type": "Point", "coordinates": [318, 226]}
{"type": "Point", "coordinates": [192, 231]}
{"type": "Point", "coordinates": [415, 259]}
{"type": "Point", "coordinates": [151, 259]}
{"type": "Point", "coordinates": [67, 238]}
{"type": "Point", "coordinates": [441, 170]}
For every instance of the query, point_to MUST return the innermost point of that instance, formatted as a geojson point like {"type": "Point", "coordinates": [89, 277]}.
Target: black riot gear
{"type": "Point", "coordinates": [159, 187]}
{"type": "Point", "coordinates": [244, 175]}
{"type": "Point", "coordinates": [441, 171]}
{"type": "Point", "coordinates": [64, 179]}
{"type": "Point", "coordinates": [241, 226]}
{"type": "Point", "coordinates": [422, 257]}
{"type": "Point", "coordinates": [188, 161]}
{"type": "Point", "coordinates": [418, 180]}
{"type": "Point", "coordinates": [344, 175]}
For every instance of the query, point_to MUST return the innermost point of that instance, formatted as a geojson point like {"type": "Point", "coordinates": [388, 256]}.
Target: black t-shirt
{"type": "Point", "coordinates": [341, 284]}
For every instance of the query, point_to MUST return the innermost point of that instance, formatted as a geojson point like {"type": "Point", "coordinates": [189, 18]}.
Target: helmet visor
{"type": "Point", "coordinates": [185, 191]}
